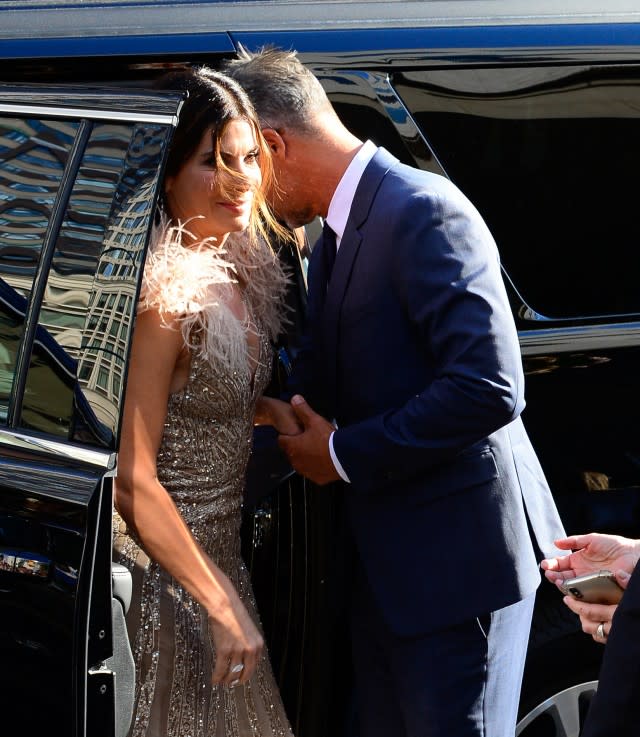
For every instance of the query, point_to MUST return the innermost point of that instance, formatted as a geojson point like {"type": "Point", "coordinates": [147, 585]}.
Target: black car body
{"type": "Point", "coordinates": [531, 110]}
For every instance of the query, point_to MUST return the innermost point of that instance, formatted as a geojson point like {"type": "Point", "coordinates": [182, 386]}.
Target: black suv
{"type": "Point", "coordinates": [533, 113]}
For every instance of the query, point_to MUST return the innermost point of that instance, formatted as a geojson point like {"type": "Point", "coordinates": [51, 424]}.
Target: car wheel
{"type": "Point", "coordinates": [560, 673]}
{"type": "Point", "coordinates": [560, 715]}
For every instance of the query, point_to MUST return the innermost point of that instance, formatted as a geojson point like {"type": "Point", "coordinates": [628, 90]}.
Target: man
{"type": "Point", "coordinates": [413, 352]}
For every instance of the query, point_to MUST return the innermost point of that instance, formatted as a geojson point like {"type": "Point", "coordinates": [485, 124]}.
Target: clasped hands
{"type": "Point", "coordinates": [591, 553]}
{"type": "Point", "coordinates": [303, 435]}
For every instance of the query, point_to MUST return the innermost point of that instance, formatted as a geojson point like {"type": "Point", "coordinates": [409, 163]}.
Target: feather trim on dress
{"type": "Point", "coordinates": [193, 285]}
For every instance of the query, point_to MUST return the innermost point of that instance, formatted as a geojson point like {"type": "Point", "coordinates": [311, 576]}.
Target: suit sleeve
{"type": "Point", "coordinates": [446, 274]}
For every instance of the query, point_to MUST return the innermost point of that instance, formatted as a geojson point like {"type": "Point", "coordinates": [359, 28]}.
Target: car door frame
{"type": "Point", "coordinates": [47, 481]}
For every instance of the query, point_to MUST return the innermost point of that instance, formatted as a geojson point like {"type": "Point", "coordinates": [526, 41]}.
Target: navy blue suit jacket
{"type": "Point", "coordinates": [413, 350]}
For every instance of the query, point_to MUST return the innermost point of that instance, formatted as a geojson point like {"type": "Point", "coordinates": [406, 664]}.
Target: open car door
{"type": "Point", "coordinates": [79, 174]}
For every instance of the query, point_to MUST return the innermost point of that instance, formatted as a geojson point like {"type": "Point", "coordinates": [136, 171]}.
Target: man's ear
{"type": "Point", "coordinates": [275, 142]}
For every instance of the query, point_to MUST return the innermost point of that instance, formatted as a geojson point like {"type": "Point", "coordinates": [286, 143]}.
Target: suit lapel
{"type": "Point", "coordinates": [346, 257]}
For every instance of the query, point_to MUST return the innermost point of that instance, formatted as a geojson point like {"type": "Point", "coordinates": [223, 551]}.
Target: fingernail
{"type": "Point", "coordinates": [234, 683]}
{"type": "Point", "coordinates": [296, 399]}
{"type": "Point", "coordinates": [623, 575]}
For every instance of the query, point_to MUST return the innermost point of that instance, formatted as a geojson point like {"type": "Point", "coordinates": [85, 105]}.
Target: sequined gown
{"type": "Point", "coordinates": [202, 463]}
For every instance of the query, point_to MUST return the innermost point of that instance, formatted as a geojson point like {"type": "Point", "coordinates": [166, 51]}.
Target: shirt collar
{"type": "Point", "coordinates": [340, 204]}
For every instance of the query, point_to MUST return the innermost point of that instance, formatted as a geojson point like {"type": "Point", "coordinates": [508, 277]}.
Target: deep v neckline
{"type": "Point", "coordinates": [254, 347]}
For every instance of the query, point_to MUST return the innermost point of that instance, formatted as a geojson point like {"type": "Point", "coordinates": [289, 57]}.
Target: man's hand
{"type": "Point", "coordinates": [279, 414]}
{"type": "Point", "coordinates": [594, 552]}
{"type": "Point", "coordinates": [308, 452]}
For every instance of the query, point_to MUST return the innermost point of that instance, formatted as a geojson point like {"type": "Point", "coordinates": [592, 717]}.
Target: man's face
{"type": "Point", "coordinates": [290, 197]}
{"type": "Point", "coordinates": [294, 194]}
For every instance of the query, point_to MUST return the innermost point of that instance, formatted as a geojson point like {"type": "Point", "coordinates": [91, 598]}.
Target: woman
{"type": "Point", "coordinates": [200, 359]}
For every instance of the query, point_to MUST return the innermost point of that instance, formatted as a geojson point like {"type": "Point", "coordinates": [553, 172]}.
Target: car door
{"type": "Point", "coordinates": [79, 173]}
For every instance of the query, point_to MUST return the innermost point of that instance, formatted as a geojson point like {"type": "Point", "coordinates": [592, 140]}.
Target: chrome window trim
{"type": "Point", "coordinates": [87, 456]}
{"type": "Point", "coordinates": [92, 114]}
{"type": "Point", "coordinates": [579, 338]}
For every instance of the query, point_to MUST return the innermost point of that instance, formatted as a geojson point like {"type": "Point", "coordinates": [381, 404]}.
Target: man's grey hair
{"type": "Point", "coordinates": [284, 92]}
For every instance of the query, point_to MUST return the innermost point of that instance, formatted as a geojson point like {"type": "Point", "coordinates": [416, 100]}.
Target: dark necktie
{"type": "Point", "coordinates": [328, 249]}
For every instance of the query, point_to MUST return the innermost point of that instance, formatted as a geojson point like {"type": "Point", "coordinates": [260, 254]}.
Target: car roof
{"type": "Point", "coordinates": [146, 17]}
{"type": "Point", "coordinates": [76, 28]}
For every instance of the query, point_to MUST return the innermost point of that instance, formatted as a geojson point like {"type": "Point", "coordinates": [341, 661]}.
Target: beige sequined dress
{"type": "Point", "coordinates": [202, 463]}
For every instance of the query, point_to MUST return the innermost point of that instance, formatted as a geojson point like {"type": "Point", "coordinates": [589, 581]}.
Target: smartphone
{"type": "Point", "coordinates": [596, 588]}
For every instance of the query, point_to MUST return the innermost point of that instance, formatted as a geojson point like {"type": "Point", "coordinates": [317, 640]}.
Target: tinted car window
{"type": "Point", "coordinates": [88, 301]}
{"type": "Point", "coordinates": [549, 156]}
{"type": "Point", "coordinates": [367, 106]}
{"type": "Point", "coordinates": [78, 196]}
{"type": "Point", "coordinates": [33, 156]}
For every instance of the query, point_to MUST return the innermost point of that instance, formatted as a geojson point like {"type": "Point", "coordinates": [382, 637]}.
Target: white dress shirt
{"type": "Point", "coordinates": [337, 216]}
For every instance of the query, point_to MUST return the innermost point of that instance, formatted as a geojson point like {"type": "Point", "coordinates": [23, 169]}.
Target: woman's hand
{"type": "Point", "coordinates": [596, 618]}
{"type": "Point", "coordinates": [593, 552]}
{"type": "Point", "coordinates": [237, 641]}
{"type": "Point", "coordinates": [279, 414]}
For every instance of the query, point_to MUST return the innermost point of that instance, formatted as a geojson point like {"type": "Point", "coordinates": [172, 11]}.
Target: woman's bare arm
{"type": "Point", "coordinates": [146, 507]}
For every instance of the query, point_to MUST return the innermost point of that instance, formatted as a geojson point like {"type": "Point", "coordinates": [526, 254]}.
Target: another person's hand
{"type": "Point", "coordinates": [308, 452]}
{"type": "Point", "coordinates": [238, 644]}
{"type": "Point", "coordinates": [596, 618]}
{"type": "Point", "coordinates": [593, 552]}
{"type": "Point", "coordinates": [279, 414]}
